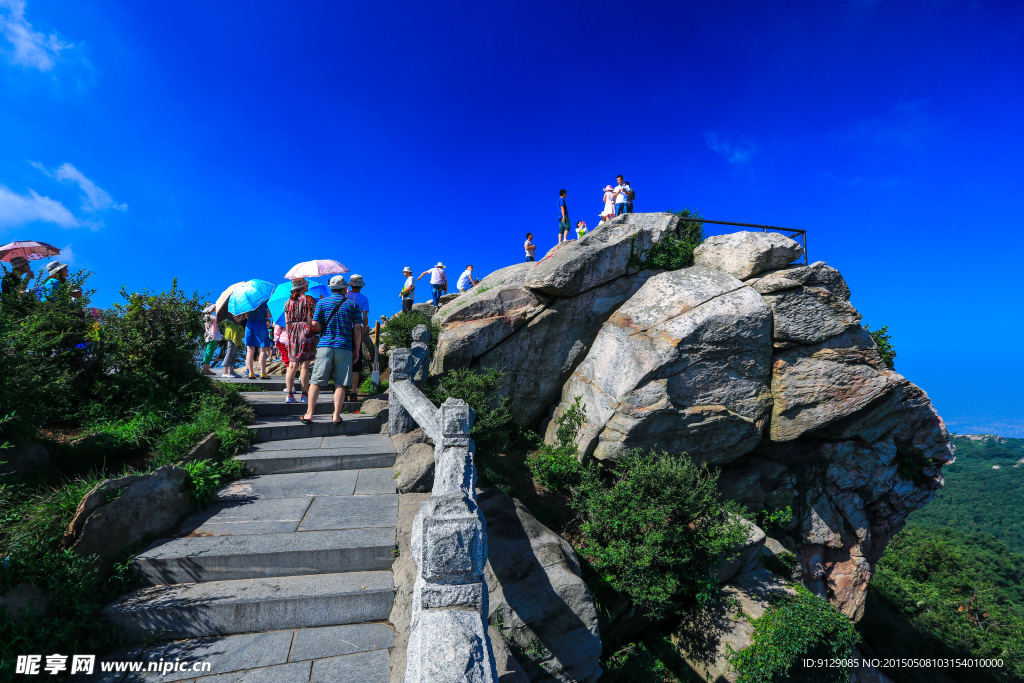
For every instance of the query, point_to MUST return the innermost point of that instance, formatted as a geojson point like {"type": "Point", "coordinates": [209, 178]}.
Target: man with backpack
{"type": "Point", "coordinates": [629, 197]}
{"type": "Point", "coordinates": [338, 321]}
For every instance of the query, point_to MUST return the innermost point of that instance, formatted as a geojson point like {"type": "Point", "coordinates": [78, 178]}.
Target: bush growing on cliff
{"type": "Point", "coordinates": [674, 251]}
{"type": "Point", "coordinates": [654, 526]}
{"type": "Point", "coordinates": [397, 333]}
{"type": "Point", "coordinates": [883, 340]}
{"type": "Point", "coordinates": [557, 466]}
{"type": "Point", "coordinates": [793, 628]}
{"type": "Point", "coordinates": [493, 427]}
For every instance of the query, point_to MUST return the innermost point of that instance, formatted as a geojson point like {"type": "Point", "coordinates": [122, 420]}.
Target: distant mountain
{"type": "Point", "coordinates": [984, 490]}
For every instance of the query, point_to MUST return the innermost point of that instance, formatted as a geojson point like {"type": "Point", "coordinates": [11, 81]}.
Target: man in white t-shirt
{"type": "Point", "coordinates": [466, 280]}
{"type": "Point", "coordinates": [620, 196]}
{"type": "Point", "coordinates": [408, 294]}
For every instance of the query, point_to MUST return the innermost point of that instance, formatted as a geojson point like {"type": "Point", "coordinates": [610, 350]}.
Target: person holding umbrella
{"type": "Point", "coordinates": [257, 339]}
{"type": "Point", "coordinates": [13, 281]}
{"type": "Point", "coordinates": [298, 315]}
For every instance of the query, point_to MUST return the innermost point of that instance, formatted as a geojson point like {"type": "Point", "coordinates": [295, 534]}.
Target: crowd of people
{"type": "Point", "coordinates": [617, 200]}
{"type": "Point", "coordinates": [17, 279]}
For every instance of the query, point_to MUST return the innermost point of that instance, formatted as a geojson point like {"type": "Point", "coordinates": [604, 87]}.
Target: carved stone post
{"type": "Point", "coordinates": [421, 355]}
{"type": "Point", "coordinates": [399, 419]}
{"type": "Point", "coordinates": [454, 471]}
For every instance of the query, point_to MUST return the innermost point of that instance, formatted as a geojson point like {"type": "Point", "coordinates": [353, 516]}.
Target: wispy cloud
{"type": "Point", "coordinates": [95, 198]}
{"type": "Point", "coordinates": [19, 209]}
{"type": "Point", "coordinates": [28, 47]}
{"type": "Point", "coordinates": [67, 255]}
{"type": "Point", "coordinates": [735, 152]}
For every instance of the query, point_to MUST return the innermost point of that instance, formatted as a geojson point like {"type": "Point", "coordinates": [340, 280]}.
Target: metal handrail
{"type": "Point", "coordinates": [764, 228]}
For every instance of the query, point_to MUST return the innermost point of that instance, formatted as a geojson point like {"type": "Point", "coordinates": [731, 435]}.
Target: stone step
{"type": "Point", "coordinates": [261, 555]}
{"type": "Point", "coordinates": [320, 455]}
{"type": "Point", "coordinates": [357, 652]}
{"type": "Point", "coordinates": [289, 427]}
{"type": "Point", "coordinates": [278, 408]}
{"type": "Point", "coordinates": [193, 610]}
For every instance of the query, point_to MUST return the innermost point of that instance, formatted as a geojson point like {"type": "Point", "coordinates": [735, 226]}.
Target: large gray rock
{"type": "Point", "coordinates": [745, 555]}
{"type": "Point", "coordinates": [539, 358]}
{"type": "Point", "coordinates": [117, 514]}
{"type": "Point", "coordinates": [24, 457]}
{"type": "Point", "coordinates": [414, 462]}
{"type": "Point", "coordinates": [815, 275]}
{"type": "Point", "coordinates": [707, 638]}
{"type": "Point", "coordinates": [478, 322]}
{"type": "Point", "coordinates": [600, 256]}
{"type": "Point", "coordinates": [745, 254]}
{"type": "Point", "coordinates": [682, 366]}
{"type": "Point", "coordinates": [808, 315]}
{"type": "Point", "coordinates": [813, 386]}
{"type": "Point", "coordinates": [538, 601]}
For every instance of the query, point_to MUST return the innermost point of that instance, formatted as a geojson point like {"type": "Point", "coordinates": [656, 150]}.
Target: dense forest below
{"type": "Point", "coordinates": [951, 585]}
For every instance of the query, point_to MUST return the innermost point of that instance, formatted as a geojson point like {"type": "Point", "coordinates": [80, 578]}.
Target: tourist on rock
{"type": "Point", "coordinates": [630, 195]}
{"type": "Point", "coordinates": [301, 340]}
{"type": "Point", "coordinates": [563, 218]}
{"type": "Point", "coordinates": [13, 281]}
{"type": "Point", "coordinates": [211, 337]}
{"type": "Point", "coordinates": [257, 341]}
{"type": "Point", "coordinates": [581, 229]}
{"type": "Point", "coordinates": [620, 196]}
{"type": "Point", "coordinates": [438, 282]}
{"type": "Point", "coordinates": [466, 280]}
{"type": "Point", "coordinates": [57, 275]}
{"type": "Point", "coordinates": [234, 334]}
{"type": "Point", "coordinates": [408, 293]}
{"type": "Point", "coordinates": [609, 203]}
{"type": "Point", "coordinates": [338, 322]}
{"type": "Point", "coordinates": [355, 283]}
{"type": "Point", "coordinates": [530, 247]}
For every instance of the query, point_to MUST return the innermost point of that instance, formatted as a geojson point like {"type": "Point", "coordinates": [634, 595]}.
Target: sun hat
{"type": "Point", "coordinates": [299, 284]}
{"type": "Point", "coordinates": [407, 269]}
{"type": "Point", "coordinates": [356, 281]}
{"type": "Point", "coordinates": [55, 267]}
{"type": "Point", "coordinates": [337, 282]}
{"type": "Point", "coordinates": [608, 188]}
{"type": "Point", "coordinates": [19, 261]}
{"type": "Point", "coordinates": [439, 265]}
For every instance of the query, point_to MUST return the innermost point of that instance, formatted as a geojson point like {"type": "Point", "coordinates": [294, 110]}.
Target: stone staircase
{"type": "Point", "coordinates": [287, 576]}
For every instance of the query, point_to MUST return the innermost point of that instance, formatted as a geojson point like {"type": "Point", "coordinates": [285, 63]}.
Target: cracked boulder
{"type": "Point", "coordinates": [745, 254]}
{"type": "Point", "coordinates": [682, 366]}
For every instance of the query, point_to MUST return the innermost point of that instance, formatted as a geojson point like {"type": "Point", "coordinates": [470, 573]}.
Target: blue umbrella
{"type": "Point", "coordinates": [277, 301]}
{"type": "Point", "coordinates": [249, 295]}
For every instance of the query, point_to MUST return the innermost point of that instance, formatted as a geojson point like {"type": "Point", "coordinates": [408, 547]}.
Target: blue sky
{"type": "Point", "coordinates": [217, 142]}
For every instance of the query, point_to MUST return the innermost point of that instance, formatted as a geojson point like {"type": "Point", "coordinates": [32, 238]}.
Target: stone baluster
{"type": "Point", "coordinates": [399, 419]}
{"type": "Point", "coordinates": [420, 355]}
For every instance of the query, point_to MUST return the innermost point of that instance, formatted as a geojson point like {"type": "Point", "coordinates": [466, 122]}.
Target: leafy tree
{"type": "Point", "coordinates": [397, 333]}
{"type": "Point", "coordinates": [883, 340]}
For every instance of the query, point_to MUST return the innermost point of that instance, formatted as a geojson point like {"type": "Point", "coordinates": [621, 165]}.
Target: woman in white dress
{"type": "Point", "coordinates": [609, 203]}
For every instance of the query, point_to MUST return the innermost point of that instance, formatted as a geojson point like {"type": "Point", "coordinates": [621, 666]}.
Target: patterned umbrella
{"type": "Point", "coordinates": [249, 295]}
{"type": "Point", "coordinates": [315, 268]}
{"type": "Point", "coordinates": [31, 250]}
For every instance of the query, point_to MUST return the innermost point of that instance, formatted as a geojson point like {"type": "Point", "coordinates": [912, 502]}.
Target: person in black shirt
{"type": "Point", "coordinates": [13, 281]}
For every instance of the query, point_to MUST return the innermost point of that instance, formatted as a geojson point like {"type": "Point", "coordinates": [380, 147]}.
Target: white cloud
{"type": "Point", "coordinates": [95, 197]}
{"type": "Point", "coordinates": [30, 48]}
{"type": "Point", "coordinates": [735, 152]}
{"type": "Point", "coordinates": [67, 256]}
{"type": "Point", "coordinates": [18, 209]}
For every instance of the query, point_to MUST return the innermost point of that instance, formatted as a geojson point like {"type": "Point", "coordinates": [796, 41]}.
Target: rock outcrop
{"type": "Point", "coordinates": [538, 602]}
{"type": "Point", "coordinates": [742, 360]}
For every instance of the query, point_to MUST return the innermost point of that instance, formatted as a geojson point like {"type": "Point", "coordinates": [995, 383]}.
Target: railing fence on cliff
{"type": "Point", "coordinates": [448, 629]}
{"type": "Point", "coordinates": [793, 232]}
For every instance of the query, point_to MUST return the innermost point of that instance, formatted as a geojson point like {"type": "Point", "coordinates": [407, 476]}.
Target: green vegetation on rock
{"type": "Point", "coordinates": [883, 340]}
{"type": "Point", "coordinates": [673, 251]}
{"type": "Point", "coordinates": [793, 628]}
{"type": "Point", "coordinates": [397, 333]}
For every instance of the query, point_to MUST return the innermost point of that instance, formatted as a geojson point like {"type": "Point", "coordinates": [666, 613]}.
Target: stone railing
{"type": "Point", "coordinates": [448, 638]}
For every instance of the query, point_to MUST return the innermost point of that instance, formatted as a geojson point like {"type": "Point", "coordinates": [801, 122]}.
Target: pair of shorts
{"type": "Point", "coordinates": [333, 364]}
{"type": "Point", "coordinates": [563, 226]}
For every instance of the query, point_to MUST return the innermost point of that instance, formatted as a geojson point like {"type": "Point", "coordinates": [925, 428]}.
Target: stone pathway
{"type": "Point", "coordinates": [286, 577]}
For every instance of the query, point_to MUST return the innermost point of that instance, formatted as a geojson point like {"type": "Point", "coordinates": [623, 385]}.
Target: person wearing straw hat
{"type": "Point", "coordinates": [13, 281]}
{"type": "Point", "coordinates": [408, 293]}
{"type": "Point", "coordinates": [355, 284]}
{"type": "Point", "coordinates": [57, 275]}
{"type": "Point", "coordinates": [337, 321]}
{"type": "Point", "coordinates": [438, 282]}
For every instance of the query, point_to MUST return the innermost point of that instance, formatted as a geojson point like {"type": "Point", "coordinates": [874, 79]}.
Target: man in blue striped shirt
{"type": "Point", "coordinates": [338, 321]}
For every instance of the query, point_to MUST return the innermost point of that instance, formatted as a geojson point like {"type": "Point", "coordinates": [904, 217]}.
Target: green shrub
{"type": "Point", "coordinates": [558, 467]}
{"type": "Point", "coordinates": [206, 476]}
{"type": "Point", "coordinates": [883, 340]}
{"type": "Point", "coordinates": [655, 527]}
{"type": "Point", "coordinates": [794, 628]}
{"type": "Point", "coordinates": [397, 333]}
{"type": "Point", "coordinates": [643, 662]}
{"type": "Point", "coordinates": [493, 427]}
{"type": "Point", "coordinates": [674, 251]}
{"type": "Point", "coordinates": [367, 387]}
{"type": "Point", "coordinates": [225, 415]}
